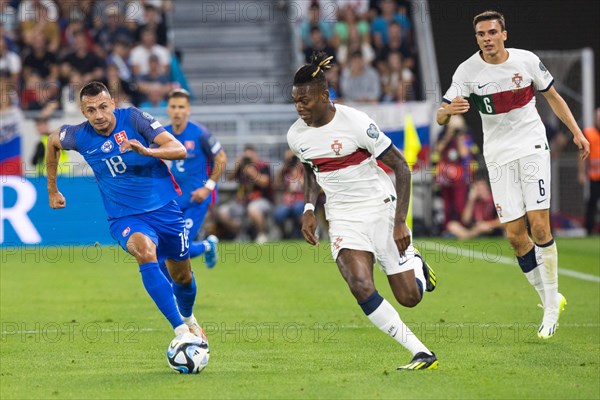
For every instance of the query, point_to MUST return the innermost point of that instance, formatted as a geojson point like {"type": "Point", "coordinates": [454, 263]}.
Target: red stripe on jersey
{"type": "Point", "coordinates": [328, 164]}
{"type": "Point", "coordinates": [511, 99]}
{"type": "Point", "coordinates": [175, 185]}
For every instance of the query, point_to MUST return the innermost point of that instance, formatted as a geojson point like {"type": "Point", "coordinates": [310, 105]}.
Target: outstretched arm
{"type": "Point", "coordinates": [168, 148]}
{"type": "Point", "coordinates": [311, 193]}
{"type": "Point", "coordinates": [562, 111]}
{"type": "Point", "coordinates": [394, 159]}
{"type": "Point", "coordinates": [53, 149]}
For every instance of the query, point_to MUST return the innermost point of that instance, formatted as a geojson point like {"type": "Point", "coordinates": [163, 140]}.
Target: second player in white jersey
{"type": "Point", "coordinates": [504, 95]}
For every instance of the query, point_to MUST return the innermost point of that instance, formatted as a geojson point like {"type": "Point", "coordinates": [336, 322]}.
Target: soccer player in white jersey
{"type": "Point", "coordinates": [339, 147]}
{"type": "Point", "coordinates": [500, 83]}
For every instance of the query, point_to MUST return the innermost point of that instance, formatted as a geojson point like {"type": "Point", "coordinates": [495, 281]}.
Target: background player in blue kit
{"type": "Point", "coordinates": [197, 174]}
{"type": "Point", "coordinates": [138, 192]}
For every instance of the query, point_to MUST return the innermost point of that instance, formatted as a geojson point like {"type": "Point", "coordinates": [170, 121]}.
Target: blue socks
{"type": "Point", "coordinates": [371, 304]}
{"type": "Point", "coordinates": [198, 248]}
{"type": "Point", "coordinates": [186, 296]}
{"type": "Point", "coordinates": [160, 290]}
{"type": "Point", "coordinates": [528, 262]}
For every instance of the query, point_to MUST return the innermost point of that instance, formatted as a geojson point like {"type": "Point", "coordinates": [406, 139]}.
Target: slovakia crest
{"type": "Point", "coordinates": [126, 232]}
{"type": "Point", "coordinates": [336, 146]}
{"type": "Point", "coordinates": [517, 80]}
{"type": "Point", "coordinates": [107, 146]}
{"type": "Point", "coordinates": [189, 145]}
{"type": "Point", "coordinates": [120, 137]}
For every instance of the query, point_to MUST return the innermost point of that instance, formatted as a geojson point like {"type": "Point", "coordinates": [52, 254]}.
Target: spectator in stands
{"type": "Point", "coordinates": [318, 43]}
{"type": "Point", "coordinates": [154, 81]}
{"type": "Point", "coordinates": [39, 60]}
{"type": "Point", "coordinates": [396, 44]}
{"type": "Point", "coordinates": [140, 55]}
{"type": "Point", "coordinates": [314, 20]}
{"type": "Point", "coordinates": [454, 150]}
{"type": "Point", "coordinates": [356, 42]}
{"type": "Point", "coordinates": [348, 20]}
{"type": "Point", "coordinates": [248, 212]}
{"type": "Point", "coordinates": [154, 21]}
{"type": "Point", "coordinates": [120, 58]}
{"type": "Point", "coordinates": [479, 216]}
{"type": "Point", "coordinates": [333, 81]}
{"type": "Point", "coordinates": [10, 63]}
{"type": "Point", "coordinates": [290, 181]}
{"type": "Point", "coordinates": [396, 79]}
{"type": "Point", "coordinates": [38, 159]}
{"type": "Point", "coordinates": [592, 174]}
{"type": "Point", "coordinates": [122, 92]}
{"type": "Point", "coordinates": [40, 16]}
{"type": "Point", "coordinates": [9, 23]}
{"type": "Point", "coordinates": [360, 82]}
{"type": "Point", "coordinates": [110, 32]}
{"type": "Point", "coordinates": [11, 119]}
{"type": "Point", "coordinates": [389, 14]}
{"type": "Point", "coordinates": [80, 59]}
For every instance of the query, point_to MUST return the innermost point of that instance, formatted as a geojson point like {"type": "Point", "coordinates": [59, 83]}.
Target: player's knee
{"type": "Point", "coordinates": [540, 232]}
{"type": "Point", "coordinates": [409, 298]}
{"type": "Point", "coordinates": [182, 277]}
{"type": "Point", "coordinates": [517, 241]}
{"type": "Point", "coordinates": [361, 288]}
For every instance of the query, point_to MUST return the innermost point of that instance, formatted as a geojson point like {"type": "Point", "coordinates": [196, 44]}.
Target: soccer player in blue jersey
{"type": "Point", "coordinates": [124, 148]}
{"type": "Point", "coordinates": [197, 174]}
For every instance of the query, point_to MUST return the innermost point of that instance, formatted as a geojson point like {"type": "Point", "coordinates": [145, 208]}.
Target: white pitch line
{"type": "Point", "coordinates": [511, 261]}
{"type": "Point", "coordinates": [59, 330]}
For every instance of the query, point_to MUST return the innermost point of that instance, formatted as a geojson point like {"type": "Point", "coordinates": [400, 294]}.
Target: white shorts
{"type": "Point", "coordinates": [375, 235]}
{"type": "Point", "coordinates": [521, 185]}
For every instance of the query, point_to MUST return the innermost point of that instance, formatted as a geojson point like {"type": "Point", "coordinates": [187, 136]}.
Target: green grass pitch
{"type": "Point", "coordinates": [77, 323]}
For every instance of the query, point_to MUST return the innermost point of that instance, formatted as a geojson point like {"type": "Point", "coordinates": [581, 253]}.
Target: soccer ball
{"type": "Point", "coordinates": [188, 354]}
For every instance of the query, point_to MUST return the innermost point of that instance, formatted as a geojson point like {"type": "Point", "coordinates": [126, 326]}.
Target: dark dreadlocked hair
{"type": "Point", "coordinates": [313, 72]}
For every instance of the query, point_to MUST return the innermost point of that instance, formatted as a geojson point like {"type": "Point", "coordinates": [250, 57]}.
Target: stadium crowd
{"type": "Point", "coordinates": [373, 47]}
{"type": "Point", "coordinates": [49, 49]}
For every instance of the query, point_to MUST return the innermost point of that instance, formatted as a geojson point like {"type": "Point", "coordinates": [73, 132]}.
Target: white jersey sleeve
{"type": "Point", "coordinates": [459, 86]}
{"type": "Point", "coordinates": [370, 136]}
{"type": "Point", "coordinates": [542, 78]}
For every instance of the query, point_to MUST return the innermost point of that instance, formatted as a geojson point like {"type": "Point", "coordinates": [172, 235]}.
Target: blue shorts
{"type": "Point", "coordinates": [165, 227]}
{"type": "Point", "coordinates": [194, 216]}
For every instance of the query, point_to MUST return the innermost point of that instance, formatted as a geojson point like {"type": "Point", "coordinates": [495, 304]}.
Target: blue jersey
{"type": "Point", "coordinates": [193, 172]}
{"type": "Point", "coordinates": [129, 183]}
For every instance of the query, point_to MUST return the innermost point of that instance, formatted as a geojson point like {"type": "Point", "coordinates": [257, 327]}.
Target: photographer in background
{"type": "Point", "coordinates": [290, 181]}
{"type": "Point", "coordinates": [248, 212]}
{"type": "Point", "coordinates": [455, 152]}
{"type": "Point", "coordinates": [479, 216]}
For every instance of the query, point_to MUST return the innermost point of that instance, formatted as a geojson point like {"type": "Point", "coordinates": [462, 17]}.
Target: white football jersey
{"type": "Point", "coordinates": [504, 95]}
{"type": "Point", "coordinates": [343, 156]}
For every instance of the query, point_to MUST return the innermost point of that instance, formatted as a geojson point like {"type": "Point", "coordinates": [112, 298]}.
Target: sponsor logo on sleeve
{"type": "Point", "coordinates": [373, 132]}
{"type": "Point", "coordinates": [543, 67]}
{"type": "Point", "coordinates": [147, 116]}
{"type": "Point", "coordinates": [155, 125]}
{"type": "Point", "coordinates": [61, 135]}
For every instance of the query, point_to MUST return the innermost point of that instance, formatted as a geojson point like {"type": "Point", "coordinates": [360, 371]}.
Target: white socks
{"type": "Point", "coordinates": [535, 278]}
{"type": "Point", "coordinates": [547, 259]}
{"type": "Point", "coordinates": [387, 319]}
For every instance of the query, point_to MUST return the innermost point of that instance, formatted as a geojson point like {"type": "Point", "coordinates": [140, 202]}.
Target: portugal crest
{"type": "Point", "coordinates": [517, 80]}
{"type": "Point", "coordinates": [336, 146]}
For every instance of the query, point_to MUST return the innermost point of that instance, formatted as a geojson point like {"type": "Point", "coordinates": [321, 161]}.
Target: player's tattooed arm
{"type": "Point", "coordinates": [394, 159]}
{"type": "Point", "coordinates": [311, 193]}
{"type": "Point", "coordinates": [53, 149]}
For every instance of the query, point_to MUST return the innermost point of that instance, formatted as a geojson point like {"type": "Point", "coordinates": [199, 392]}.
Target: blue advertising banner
{"type": "Point", "coordinates": [27, 219]}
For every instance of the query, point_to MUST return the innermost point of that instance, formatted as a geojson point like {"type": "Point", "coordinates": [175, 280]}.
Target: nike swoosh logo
{"type": "Point", "coordinates": [182, 254]}
{"type": "Point", "coordinates": [541, 201]}
{"type": "Point", "coordinates": [482, 86]}
{"type": "Point", "coordinates": [91, 151]}
{"type": "Point", "coordinates": [303, 150]}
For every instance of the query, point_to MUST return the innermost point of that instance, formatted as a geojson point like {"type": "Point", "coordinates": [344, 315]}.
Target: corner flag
{"type": "Point", "coordinates": [412, 147]}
